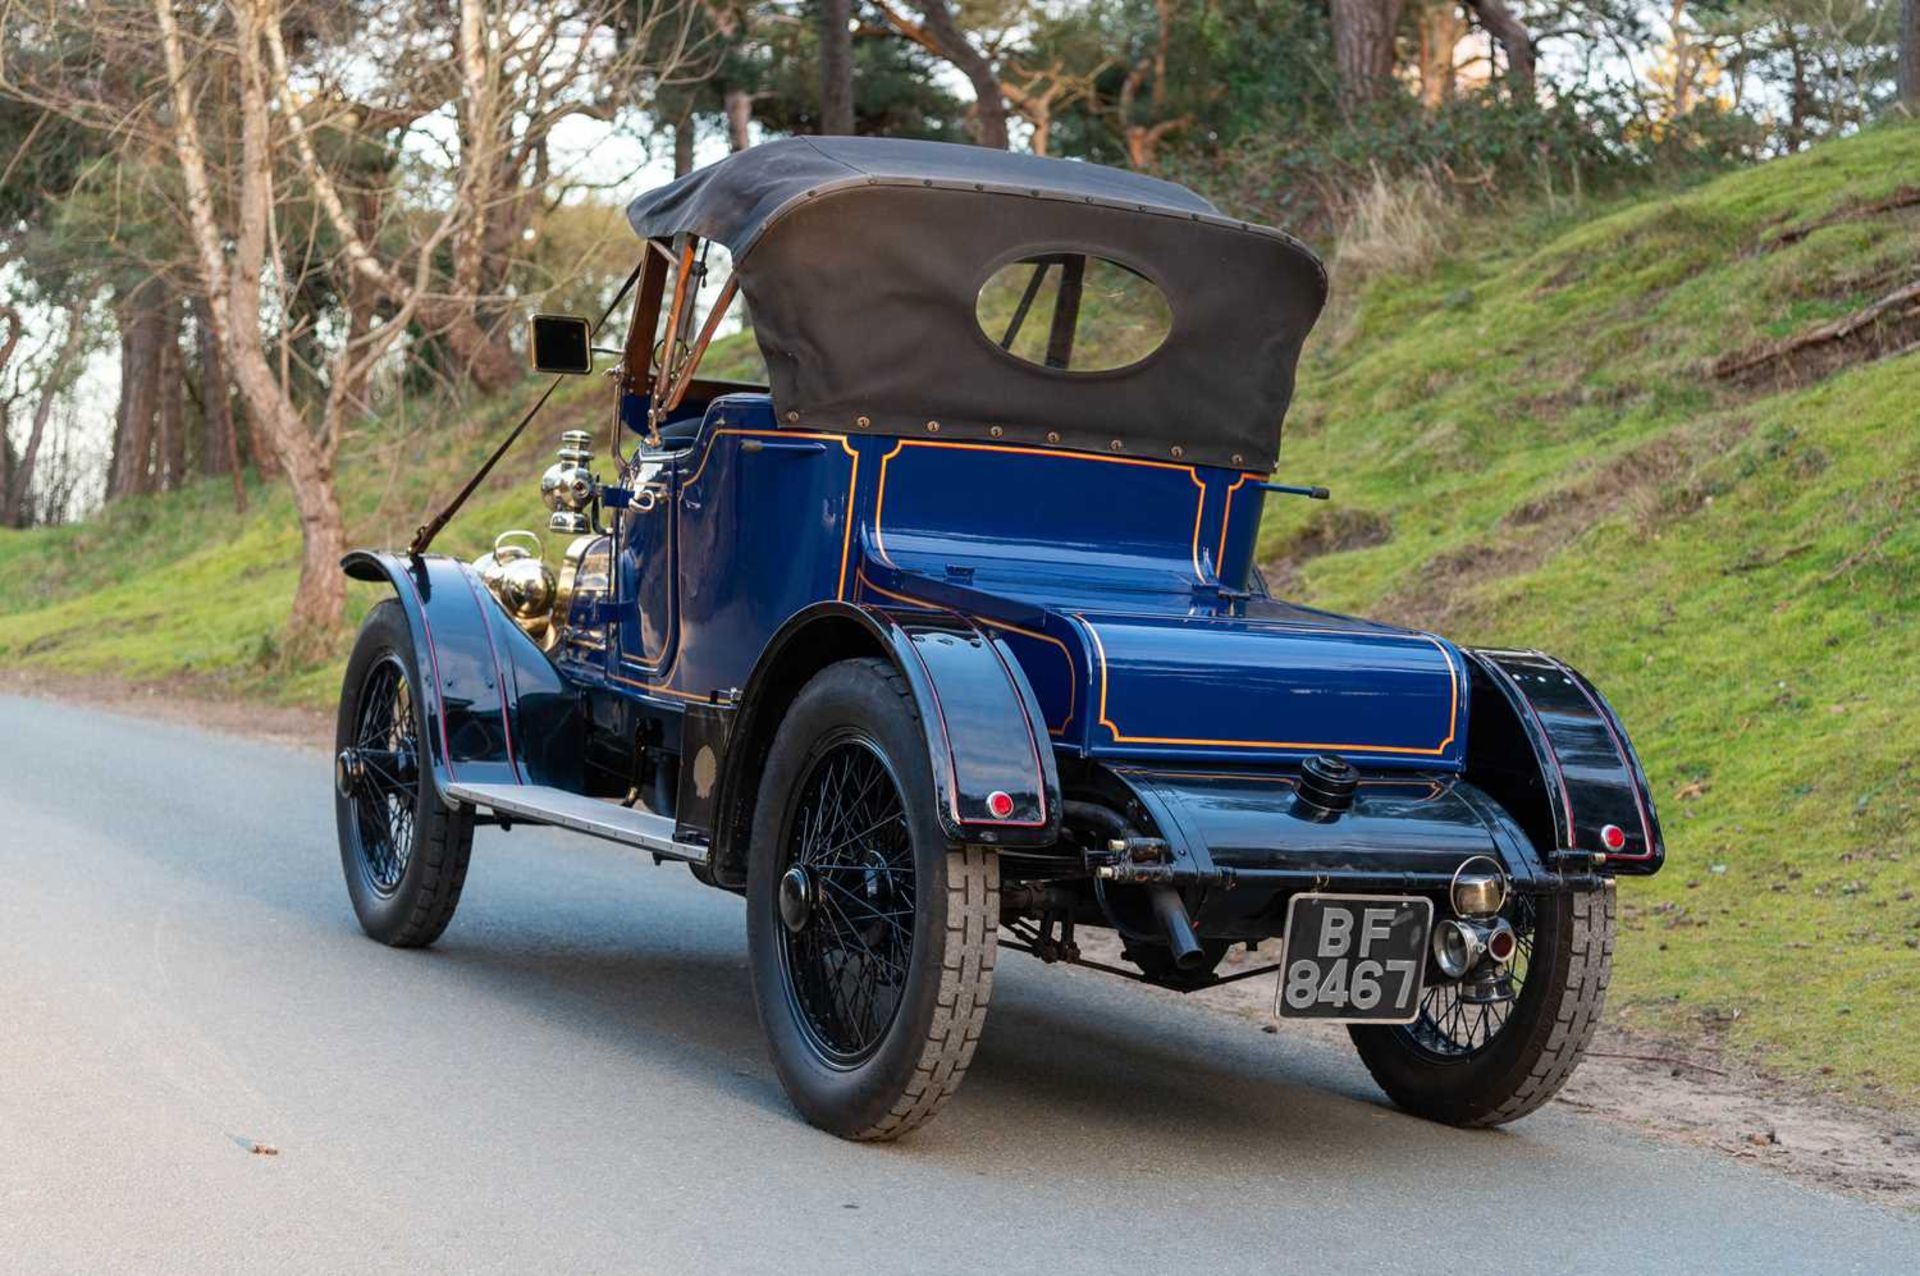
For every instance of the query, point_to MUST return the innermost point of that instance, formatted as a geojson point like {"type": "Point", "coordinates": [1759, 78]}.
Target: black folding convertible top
{"type": "Point", "coordinates": [861, 260]}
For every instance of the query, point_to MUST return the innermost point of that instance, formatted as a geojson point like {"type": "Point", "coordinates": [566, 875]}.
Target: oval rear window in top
{"type": "Point", "coordinates": [1073, 312]}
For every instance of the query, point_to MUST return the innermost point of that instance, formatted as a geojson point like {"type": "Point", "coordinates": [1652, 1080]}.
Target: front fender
{"type": "Point", "coordinates": [496, 709]}
{"type": "Point", "coordinates": [1550, 749]}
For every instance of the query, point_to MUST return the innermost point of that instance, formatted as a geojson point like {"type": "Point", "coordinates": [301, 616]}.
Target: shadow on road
{"type": "Point", "coordinates": [1081, 1071]}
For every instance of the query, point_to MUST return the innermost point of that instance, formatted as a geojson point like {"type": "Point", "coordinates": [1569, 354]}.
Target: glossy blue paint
{"type": "Point", "coordinates": [1286, 683]}
{"type": "Point", "coordinates": [1102, 575]}
{"type": "Point", "coordinates": [1118, 591]}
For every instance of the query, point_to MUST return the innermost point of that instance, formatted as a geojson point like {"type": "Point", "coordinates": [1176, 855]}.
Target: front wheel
{"type": "Point", "coordinates": [872, 937]}
{"type": "Point", "coordinates": [1487, 1064]}
{"type": "Point", "coordinates": [403, 850]}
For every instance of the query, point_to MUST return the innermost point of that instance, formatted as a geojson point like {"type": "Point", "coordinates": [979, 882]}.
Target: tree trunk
{"type": "Point", "coordinates": [1041, 118]}
{"type": "Point", "coordinates": [1512, 34]}
{"type": "Point", "coordinates": [836, 66]}
{"type": "Point", "coordinates": [1909, 69]}
{"type": "Point", "coordinates": [118, 456]}
{"type": "Point", "coordinates": [259, 443]}
{"type": "Point", "coordinates": [232, 285]}
{"type": "Point", "coordinates": [169, 416]}
{"type": "Point", "coordinates": [1682, 60]}
{"type": "Point", "coordinates": [59, 377]}
{"type": "Point", "coordinates": [1363, 33]}
{"type": "Point", "coordinates": [1441, 30]}
{"type": "Point", "coordinates": [219, 441]}
{"type": "Point", "coordinates": [142, 332]}
{"type": "Point", "coordinates": [363, 303]}
{"type": "Point", "coordinates": [487, 361]}
{"type": "Point", "coordinates": [7, 516]}
{"type": "Point", "coordinates": [988, 123]}
{"type": "Point", "coordinates": [489, 364]}
{"type": "Point", "coordinates": [739, 104]}
{"type": "Point", "coordinates": [14, 328]}
{"type": "Point", "coordinates": [7, 485]}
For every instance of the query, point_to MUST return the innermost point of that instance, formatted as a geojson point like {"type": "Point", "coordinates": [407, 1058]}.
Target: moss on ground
{"type": "Point", "coordinates": [1526, 446]}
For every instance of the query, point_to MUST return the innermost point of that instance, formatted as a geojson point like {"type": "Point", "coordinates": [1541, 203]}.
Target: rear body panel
{"type": "Point", "coordinates": [1123, 584]}
{"type": "Point", "coordinates": [1272, 686]}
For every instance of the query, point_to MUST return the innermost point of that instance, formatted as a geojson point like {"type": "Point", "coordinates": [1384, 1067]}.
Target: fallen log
{"type": "Point", "coordinates": [1905, 197]}
{"type": "Point", "coordinates": [1898, 306]}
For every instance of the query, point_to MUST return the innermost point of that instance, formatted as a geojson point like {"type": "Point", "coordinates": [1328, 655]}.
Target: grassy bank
{"type": "Point", "coordinates": [1527, 445]}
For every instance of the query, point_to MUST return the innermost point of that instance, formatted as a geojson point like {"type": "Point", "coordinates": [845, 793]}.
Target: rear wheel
{"type": "Point", "coordinates": [872, 936]}
{"type": "Point", "coordinates": [1486, 1064]}
{"type": "Point", "coordinates": [403, 850]}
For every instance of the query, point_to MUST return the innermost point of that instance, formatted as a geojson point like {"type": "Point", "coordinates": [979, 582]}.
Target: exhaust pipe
{"type": "Point", "coordinates": [1187, 953]}
{"type": "Point", "coordinates": [1167, 906]}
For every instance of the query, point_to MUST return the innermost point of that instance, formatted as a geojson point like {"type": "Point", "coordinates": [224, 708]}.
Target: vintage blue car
{"type": "Point", "coordinates": [951, 638]}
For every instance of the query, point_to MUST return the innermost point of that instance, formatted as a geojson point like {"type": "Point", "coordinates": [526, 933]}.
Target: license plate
{"type": "Point", "coordinates": [1354, 958]}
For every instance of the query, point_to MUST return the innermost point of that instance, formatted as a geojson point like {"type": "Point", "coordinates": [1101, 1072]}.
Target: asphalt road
{"type": "Point", "coordinates": [573, 1080]}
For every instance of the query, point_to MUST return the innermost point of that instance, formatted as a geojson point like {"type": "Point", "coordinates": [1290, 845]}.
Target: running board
{"type": "Point", "coordinates": [540, 804]}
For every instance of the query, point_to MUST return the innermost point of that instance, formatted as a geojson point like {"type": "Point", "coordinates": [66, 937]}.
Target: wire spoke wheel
{"type": "Point", "coordinates": [1451, 1027]}
{"type": "Point", "coordinates": [870, 933]}
{"type": "Point", "coordinates": [384, 796]}
{"type": "Point", "coordinates": [847, 901]}
{"type": "Point", "coordinates": [403, 851]}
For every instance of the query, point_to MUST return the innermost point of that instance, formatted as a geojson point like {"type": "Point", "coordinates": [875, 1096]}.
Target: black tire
{"type": "Point", "coordinates": [888, 1069]}
{"type": "Point", "coordinates": [404, 852]}
{"type": "Point", "coordinates": [1535, 1049]}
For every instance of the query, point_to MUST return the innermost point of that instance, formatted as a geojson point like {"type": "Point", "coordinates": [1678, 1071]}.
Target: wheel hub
{"type": "Point", "coordinates": [348, 772]}
{"type": "Point", "coordinates": [796, 898]}
{"type": "Point", "coordinates": [353, 768]}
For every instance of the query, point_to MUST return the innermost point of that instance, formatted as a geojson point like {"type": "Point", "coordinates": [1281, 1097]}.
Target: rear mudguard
{"type": "Point", "coordinates": [1548, 747]}
{"type": "Point", "coordinates": [496, 710]}
{"type": "Point", "coordinates": [983, 728]}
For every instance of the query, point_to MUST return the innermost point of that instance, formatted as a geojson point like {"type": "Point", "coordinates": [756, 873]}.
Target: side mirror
{"type": "Point", "coordinates": [561, 343]}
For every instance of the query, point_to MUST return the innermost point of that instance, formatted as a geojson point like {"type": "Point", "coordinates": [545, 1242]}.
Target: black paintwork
{"type": "Point", "coordinates": [1548, 747]}
{"type": "Point", "coordinates": [974, 707]}
{"type": "Point", "coordinates": [497, 710]}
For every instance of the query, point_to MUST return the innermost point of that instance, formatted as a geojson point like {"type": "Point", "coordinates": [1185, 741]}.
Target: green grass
{"type": "Point", "coordinates": [1526, 447]}
{"type": "Point", "coordinates": [1535, 428]}
{"type": "Point", "coordinates": [177, 588]}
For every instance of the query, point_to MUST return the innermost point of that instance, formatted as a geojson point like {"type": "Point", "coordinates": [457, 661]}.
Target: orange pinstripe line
{"type": "Point", "coordinates": [846, 544]}
{"type": "Point", "coordinates": [880, 498]}
{"type": "Point", "coordinates": [1226, 518]}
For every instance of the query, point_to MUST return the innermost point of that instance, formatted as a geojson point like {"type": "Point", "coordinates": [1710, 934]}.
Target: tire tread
{"type": "Point", "coordinates": [443, 834]}
{"type": "Point", "coordinates": [966, 987]}
{"type": "Point", "coordinates": [966, 976]}
{"type": "Point", "coordinates": [444, 856]}
{"type": "Point", "coordinates": [1576, 1009]}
